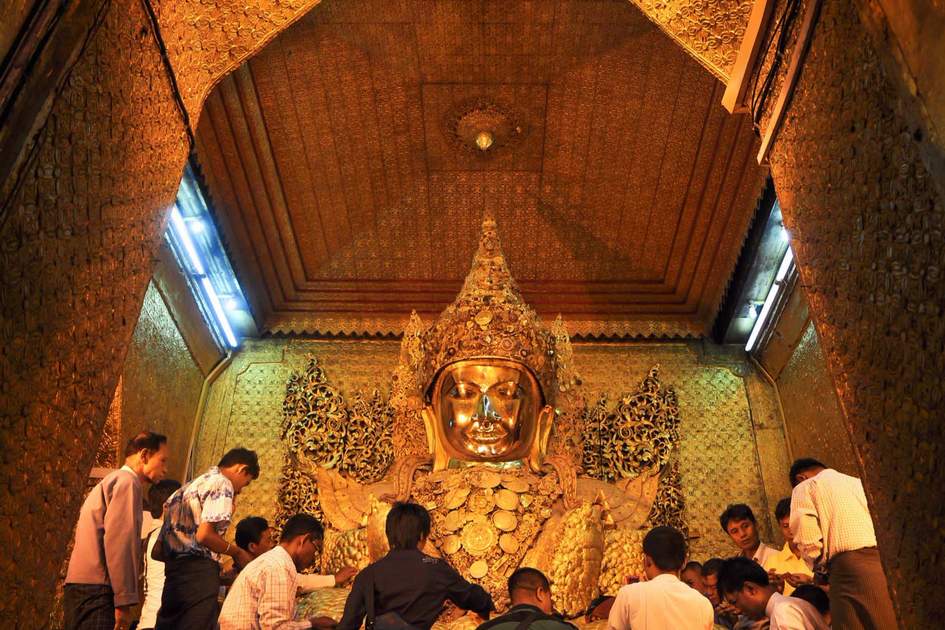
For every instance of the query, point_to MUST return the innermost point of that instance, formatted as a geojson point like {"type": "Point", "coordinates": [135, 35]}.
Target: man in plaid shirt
{"type": "Point", "coordinates": [263, 595]}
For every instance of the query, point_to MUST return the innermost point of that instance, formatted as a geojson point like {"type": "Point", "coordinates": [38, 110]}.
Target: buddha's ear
{"type": "Point", "coordinates": [435, 439]}
{"type": "Point", "coordinates": [539, 448]}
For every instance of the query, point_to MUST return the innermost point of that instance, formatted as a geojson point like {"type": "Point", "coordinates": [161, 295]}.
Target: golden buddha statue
{"type": "Point", "coordinates": [486, 426]}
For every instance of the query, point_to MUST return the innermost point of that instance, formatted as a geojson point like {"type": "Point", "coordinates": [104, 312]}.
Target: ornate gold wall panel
{"type": "Point", "coordinates": [868, 228]}
{"type": "Point", "coordinates": [161, 382]}
{"type": "Point", "coordinates": [245, 404]}
{"type": "Point", "coordinates": [812, 416]}
{"type": "Point", "coordinates": [718, 458]}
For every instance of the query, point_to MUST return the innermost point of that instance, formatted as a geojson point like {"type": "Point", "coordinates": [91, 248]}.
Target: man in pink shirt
{"type": "Point", "coordinates": [102, 581]}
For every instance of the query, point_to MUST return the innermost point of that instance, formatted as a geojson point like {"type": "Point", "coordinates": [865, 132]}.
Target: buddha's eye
{"type": "Point", "coordinates": [463, 391]}
{"type": "Point", "coordinates": [508, 390]}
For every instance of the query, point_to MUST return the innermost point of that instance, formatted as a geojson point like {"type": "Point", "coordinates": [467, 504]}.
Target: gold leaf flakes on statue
{"type": "Point", "coordinates": [478, 538]}
{"type": "Point", "coordinates": [505, 521]}
{"type": "Point", "coordinates": [455, 498]}
{"type": "Point", "coordinates": [454, 520]}
{"type": "Point", "coordinates": [508, 543]}
{"type": "Point", "coordinates": [487, 479]}
{"type": "Point", "coordinates": [478, 569]}
{"type": "Point", "coordinates": [481, 502]}
{"type": "Point", "coordinates": [506, 499]}
{"type": "Point", "coordinates": [451, 544]}
{"type": "Point", "coordinates": [516, 484]}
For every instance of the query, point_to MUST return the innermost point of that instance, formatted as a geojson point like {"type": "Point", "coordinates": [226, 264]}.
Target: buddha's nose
{"type": "Point", "coordinates": [485, 411]}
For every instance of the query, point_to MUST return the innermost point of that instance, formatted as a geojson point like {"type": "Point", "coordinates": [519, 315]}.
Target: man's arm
{"type": "Point", "coordinates": [354, 612]}
{"type": "Point", "coordinates": [276, 606]}
{"type": "Point", "coordinates": [465, 595]}
{"type": "Point", "coordinates": [121, 538]}
{"type": "Point", "coordinates": [208, 537]}
{"type": "Point", "coordinates": [309, 582]}
{"type": "Point", "coordinates": [805, 523]}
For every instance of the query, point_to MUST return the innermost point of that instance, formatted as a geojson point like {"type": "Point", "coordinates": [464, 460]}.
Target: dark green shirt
{"type": "Point", "coordinates": [517, 614]}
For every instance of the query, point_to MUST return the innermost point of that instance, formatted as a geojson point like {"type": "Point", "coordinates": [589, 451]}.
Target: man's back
{"type": "Point", "coordinates": [838, 504]}
{"type": "Point", "coordinates": [107, 537]}
{"type": "Point", "coordinates": [263, 595]}
{"type": "Point", "coordinates": [791, 613]}
{"type": "Point", "coordinates": [522, 612]}
{"type": "Point", "coordinates": [661, 603]}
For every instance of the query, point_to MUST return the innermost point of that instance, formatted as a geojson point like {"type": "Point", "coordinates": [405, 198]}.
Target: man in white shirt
{"type": "Point", "coordinates": [745, 585]}
{"type": "Point", "coordinates": [833, 530]}
{"type": "Point", "coordinates": [662, 601]}
{"type": "Point", "coordinates": [154, 569]}
{"type": "Point", "coordinates": [738, 521]}
{"type": "Point", "coordinates": [263, 595]}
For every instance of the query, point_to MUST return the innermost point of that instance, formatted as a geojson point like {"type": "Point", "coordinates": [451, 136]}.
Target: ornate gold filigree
{"type": "Point", "coordinates": [639, 434]}
{"type": "Point", "coordinates": [669, 507]}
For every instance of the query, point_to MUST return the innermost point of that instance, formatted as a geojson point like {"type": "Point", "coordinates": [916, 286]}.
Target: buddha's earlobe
{"type": "Point", "coordinates": [435, 439]}
{"type": "Point", "coordinates": [539, 447]}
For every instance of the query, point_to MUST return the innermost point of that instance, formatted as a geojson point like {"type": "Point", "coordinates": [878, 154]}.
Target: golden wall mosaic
{"type": "Point", "coordinates": [718, 458]}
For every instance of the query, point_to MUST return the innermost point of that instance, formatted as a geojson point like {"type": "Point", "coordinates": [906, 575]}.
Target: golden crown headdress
{"type": "Point", "coordinates": [489, 318]}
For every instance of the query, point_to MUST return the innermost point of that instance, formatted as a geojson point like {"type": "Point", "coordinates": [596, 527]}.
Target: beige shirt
{"type": "Point", "coordinates": [263, 595]}
{"type": "Point", "coordinates": [661, 603]}
{"type": "Point", "coordinates": [829, 515]}
{"type": "Point", "coordinates": [791, 613]}
{"type": "Point", "coordinates": [108, 537]}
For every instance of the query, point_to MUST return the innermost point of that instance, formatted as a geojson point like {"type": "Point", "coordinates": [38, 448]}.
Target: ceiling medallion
{"type": "Point", "coordinates": [483, 127]}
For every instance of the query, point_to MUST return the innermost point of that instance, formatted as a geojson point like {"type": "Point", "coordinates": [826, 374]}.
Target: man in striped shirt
{"type": "Point", "coordinates": [263, 595]}
{"type": "Point", "coordinates": [833, 529]}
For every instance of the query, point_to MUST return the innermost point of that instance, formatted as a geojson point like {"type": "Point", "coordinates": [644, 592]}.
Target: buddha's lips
{"type": "Point", "coordinates": [494, 433]}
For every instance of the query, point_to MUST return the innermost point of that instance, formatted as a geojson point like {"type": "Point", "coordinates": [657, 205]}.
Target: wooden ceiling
{"type": "Point", "coordinates": [347, 199]}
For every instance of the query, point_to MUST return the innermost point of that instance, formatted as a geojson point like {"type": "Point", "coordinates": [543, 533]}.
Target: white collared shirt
{"type": "Point", "coordinates": [661, 603]}
{"type": "Point", "coordinates": [763, 554]}
{"type": "Point", "coordinates": [791, 613]}
{"type": "Point", "coordinates": [829, 515]}
{"type": "Point", "coordinates": [263, 595]}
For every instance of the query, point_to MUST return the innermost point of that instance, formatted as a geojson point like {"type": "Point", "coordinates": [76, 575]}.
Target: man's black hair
{"type": "Point", "coordinates": [783, 509]}
{"type": "Point", "coordinates": [801, 465]}
{"type": "Point", "coordinates": [736, 512]}
{"type": "Point", "coordinates": [250, 530]}
{"type": "Point", "coordinates": [302, 524]}
{"type": "Point", "coordinates": [815, 595]}
{"type": "Point", "coordinates": [145, 440]}
{"type": "Point", "coordinates": [240, 455]}
{"type": "Point", "coordinates": [736, 571]}
{"type": "Point", "coordinates": [712, 566]}
{"type": "Point", "coordinates": [528, 579]}
{"type": "Point", "coordinates": [666, 546]}
{"type": "Point", "coordinates": [159, 493]}
{"type": "Point", "coordinates": [693, 565]}
{"type": "Point", "coordinates": [407, 524]}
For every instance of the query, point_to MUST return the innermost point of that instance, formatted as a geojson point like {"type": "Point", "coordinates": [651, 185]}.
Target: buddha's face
{"type": "Point", "coordinates": [487, 409]}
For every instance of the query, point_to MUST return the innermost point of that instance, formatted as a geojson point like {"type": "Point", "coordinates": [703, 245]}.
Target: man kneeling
{"type": "Point", "coordinates": [263, 595]}
{"type": "Point", "coordinates": [530, 595]}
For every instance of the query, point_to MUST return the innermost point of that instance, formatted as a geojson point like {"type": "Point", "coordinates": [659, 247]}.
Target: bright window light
{"type": "Point", "coordinates": [218, 311]}
{"type": "Point", "coordinates": [183, 234]}
{"type": "Point", "coordinates": [201, 255]}
{"type": "Point", "coordinates": [773, 292]}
